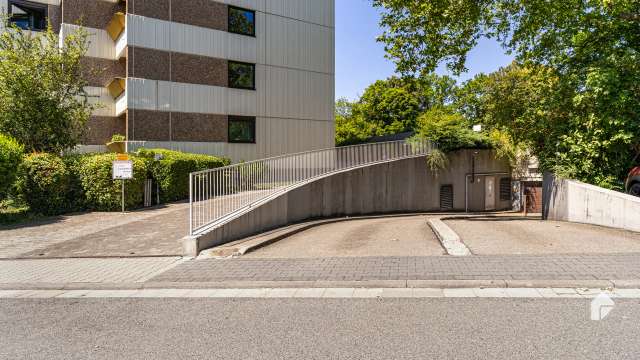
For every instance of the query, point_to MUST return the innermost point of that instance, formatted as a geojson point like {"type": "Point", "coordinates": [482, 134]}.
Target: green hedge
{"type": "Point", "coordinates": [43, 184]}
{"type": "Point", "coordinates": [52, 185]}
{"type": "Point", "coordinates": [101, 192]}
{"type": "Point", "coordinates": [172, 171]}
{"type": "Point", "coordinates": [11, 153]}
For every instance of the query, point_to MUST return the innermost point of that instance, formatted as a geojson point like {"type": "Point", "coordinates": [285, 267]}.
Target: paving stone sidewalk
{"type": "Point", "coordinates": [149, 232]}
{"type": "Point", "coordinates": [61, 271]}
{"type": "Point", "coordinates": [550, 267]}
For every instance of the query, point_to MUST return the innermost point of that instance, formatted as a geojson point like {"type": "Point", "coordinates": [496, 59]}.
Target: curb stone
{"type": "Point", "coordinates": [448, 238]}
{"type": "Point", "coordinates": [415, 284]}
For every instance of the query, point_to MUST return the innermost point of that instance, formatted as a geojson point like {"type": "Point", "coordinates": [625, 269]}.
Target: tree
{"type": "Point", "coordinates": [43, 103]}
{"type": "Point", "coordinates": [585, 52]}
{"type": "Point", "coordinates": [351, 128]}
{"type": "Point", "coordinates": [450, 131]}
{"type": "Point", "coordinates": [391, 106]}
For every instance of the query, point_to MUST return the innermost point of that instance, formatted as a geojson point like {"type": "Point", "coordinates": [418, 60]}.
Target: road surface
{"type": "Point", "coordinates": [289, 328]}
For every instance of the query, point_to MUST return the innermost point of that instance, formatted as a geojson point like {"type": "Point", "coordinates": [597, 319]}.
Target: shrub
{"type": "Point", "coordinates": [11, 153]}
{"type": "Point", "coordinates": [75, 192]}
{"type": "Point", "coordinates": [172, 171]}
{"type": "Point", "coordinates": [101, 191]}
{"type": "Point", "coordinates": [43, 184]}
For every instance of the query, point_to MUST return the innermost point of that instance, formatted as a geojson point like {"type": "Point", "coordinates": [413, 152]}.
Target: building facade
{"type": "Point", "coordinates": [245, 79]}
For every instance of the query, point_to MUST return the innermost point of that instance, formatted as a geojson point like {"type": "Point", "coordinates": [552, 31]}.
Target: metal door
{"type": "Point", "coordinates": [490, 193]}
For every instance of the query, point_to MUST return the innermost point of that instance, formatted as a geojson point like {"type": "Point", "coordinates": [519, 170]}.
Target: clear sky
{"type": "Point", "coordinates": [360, 59]}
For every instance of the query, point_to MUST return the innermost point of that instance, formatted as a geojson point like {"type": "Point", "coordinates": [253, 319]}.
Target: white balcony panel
{"type": "Point", "coordinates": [273, 137]}
{"type": "Point", "coordinates": [100, 97]}
{"type": "Point", "coordinates": [121, 45]}
{"type": "Point", "coordinates": [242, 102]}
{"type": "Point", "coordinates": [188, 39]}
{"type": "Point", "coordinates": [190, 98]}
{"type": "Point", "coordinates": [300, 45]}
{"type": "Point", "coordinates": [142, 94]}
{"type": "Point", "coordinates": [121, 104]}
{"type": "Point", "coordinates": [297, 94]}
{"type": "Point", "coordinates": [319, 12]}
{"type": "Point", "coordinates": [100, 43]}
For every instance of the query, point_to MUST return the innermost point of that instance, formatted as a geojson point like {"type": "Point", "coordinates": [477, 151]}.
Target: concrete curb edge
{"type": "Point", "coordinates": [444, 284]}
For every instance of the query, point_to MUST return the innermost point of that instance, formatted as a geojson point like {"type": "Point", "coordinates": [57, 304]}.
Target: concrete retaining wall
{"type": "Point", "coordinates": [574, 201]}
{"type": "Point", "coordinates": [398, 186]}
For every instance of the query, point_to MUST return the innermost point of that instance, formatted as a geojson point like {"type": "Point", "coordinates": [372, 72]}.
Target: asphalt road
{"type": "Point", "coordinates": [315, 329]}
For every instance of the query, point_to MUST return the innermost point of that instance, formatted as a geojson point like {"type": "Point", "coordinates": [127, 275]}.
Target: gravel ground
{"type": "Point", "coordinates": [516, 235]}
{"type": "Point", "coordinates": [389, 236]}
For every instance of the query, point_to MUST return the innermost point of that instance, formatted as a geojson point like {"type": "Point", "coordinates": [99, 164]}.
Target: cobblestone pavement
{"type": "Point", "coordinates": [549, 267]}
{"type": "Point", "coordinates": [83, 270]}
{"type": "Point", "coordinates": [150, 232]}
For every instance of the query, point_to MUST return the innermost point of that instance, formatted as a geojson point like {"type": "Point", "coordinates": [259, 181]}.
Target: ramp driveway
{"type": "Point", "coordinates": [383, 236]}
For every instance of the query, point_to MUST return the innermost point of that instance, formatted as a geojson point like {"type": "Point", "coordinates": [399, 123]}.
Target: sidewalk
{"type": "Point", "coordinates": [148, 232]}
{"type": "Point", "coordinates": [600, 271]}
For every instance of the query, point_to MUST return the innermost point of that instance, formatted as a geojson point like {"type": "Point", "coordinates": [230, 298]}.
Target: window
{"type": "Point", "coordinates": [27, 15]}
{"type": "Point", "coordinates": [242, 21]}
{"type": "Point", "coordinates": [242, 129]}
{"type": "Point", "coordinates": [505, 189]}
{"type": "Point", "coordinates": [242, 75]}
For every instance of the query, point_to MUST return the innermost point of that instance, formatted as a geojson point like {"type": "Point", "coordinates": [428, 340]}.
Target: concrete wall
{"type": "Point", "coordinates": [398, 186]}
{"type": "Point", "coordinates": [574, 201]}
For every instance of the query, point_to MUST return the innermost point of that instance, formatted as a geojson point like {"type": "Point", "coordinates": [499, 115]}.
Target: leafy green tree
{"type": "Point", "coordinates": [450, 131]}
{"type": "Point", "coordinates": [585, 121]}
{"type": "Point", "coordinates": [388, 108]}
{"type": "Point", "coordinates": [43, 103]}
{"type": "Point", "coordinates": [351, 128]}
{"type": "Point", "coordinates": [391, 106]}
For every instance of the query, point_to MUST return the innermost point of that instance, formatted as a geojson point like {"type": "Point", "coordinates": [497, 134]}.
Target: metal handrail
{"type": "Point", "coordinates": [217, 194]}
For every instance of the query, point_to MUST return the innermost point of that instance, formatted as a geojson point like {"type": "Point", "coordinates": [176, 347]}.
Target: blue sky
{"type": "Point", "coordinates": [360, 59]}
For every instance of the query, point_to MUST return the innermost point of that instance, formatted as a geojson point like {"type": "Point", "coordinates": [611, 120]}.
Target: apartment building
{"type": "Point", "coordinates": [242, 78]}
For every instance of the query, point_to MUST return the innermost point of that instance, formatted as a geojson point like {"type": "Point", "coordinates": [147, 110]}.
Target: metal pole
{"type": "Point", "coordinates": [123, 195]}
{"type": "Point", "coordinates": [190, 204]}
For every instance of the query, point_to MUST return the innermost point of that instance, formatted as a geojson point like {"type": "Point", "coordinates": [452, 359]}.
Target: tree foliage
{"type": "Point", "coordinates": [43, 103]}
{"type": "Point", "coordinates": [390, 106]}
{"type": "Point", "coordinates": [574, 98]}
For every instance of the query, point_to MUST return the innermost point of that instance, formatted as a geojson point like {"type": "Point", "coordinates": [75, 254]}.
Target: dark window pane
{"type": "Point", "coordinates": [28, 16]}
{"type": "Point", "coordinates": [242, 129]}
{"type": "Point", "coordinates": [241, 75]}
{"type": "Point", "coordinates": [242, 21]}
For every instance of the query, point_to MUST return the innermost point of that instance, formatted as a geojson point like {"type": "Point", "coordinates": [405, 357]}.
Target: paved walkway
{"type": "Point", "coordinates": [551, 267]}
{"type": "Point", "coordinates": [61, 271]}
{"type": "Point", "coordinates": [151, 232]}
